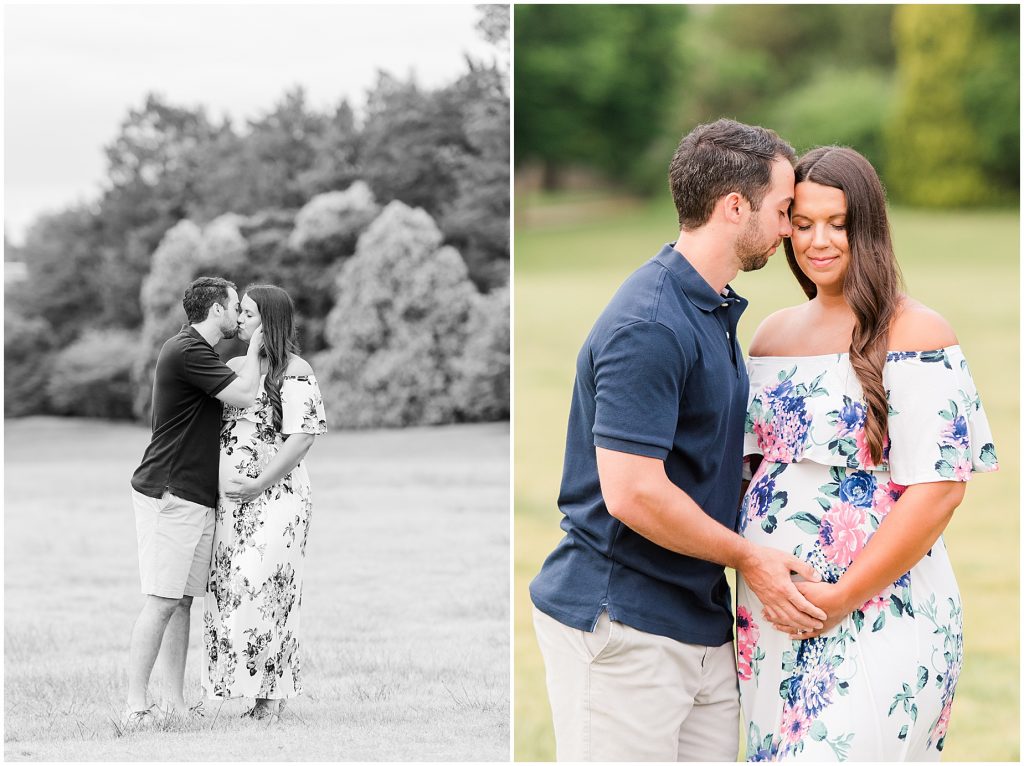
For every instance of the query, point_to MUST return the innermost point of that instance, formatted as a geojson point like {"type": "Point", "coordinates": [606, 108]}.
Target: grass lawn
{"type": "Point", "coordinates": [964, 265]}
{"type": "Point", "coordinates": [405, 620]}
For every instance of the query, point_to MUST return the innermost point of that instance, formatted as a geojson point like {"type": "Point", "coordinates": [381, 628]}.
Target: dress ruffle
{"type": "Point", "coordinates": [938, 430]}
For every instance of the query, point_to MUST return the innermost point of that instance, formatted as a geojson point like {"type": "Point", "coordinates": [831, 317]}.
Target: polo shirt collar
{"type": "Point", "coordinates": [193, 332]}
{"type": "Point", "coordinates": [694, 286]}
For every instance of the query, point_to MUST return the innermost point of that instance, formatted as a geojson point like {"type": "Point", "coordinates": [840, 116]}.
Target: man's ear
{"type": "Point", "coordinates": [732, 206]}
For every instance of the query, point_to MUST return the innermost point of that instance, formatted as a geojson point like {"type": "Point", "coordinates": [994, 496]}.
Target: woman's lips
{"type": "Point", "coordinates": [821, 263]}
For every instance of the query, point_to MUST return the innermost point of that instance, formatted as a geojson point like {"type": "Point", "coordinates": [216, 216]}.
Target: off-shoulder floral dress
{"type": "Point", "coordinates": [878, 686]}
{"type": "Point", "coordinates": [251, 616]}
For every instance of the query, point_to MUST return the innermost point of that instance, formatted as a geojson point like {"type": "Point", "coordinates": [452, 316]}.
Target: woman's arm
{"type": "Point", "coordinates": [242, 489]}
{"type": "Point", "coordinates": [905, 535]}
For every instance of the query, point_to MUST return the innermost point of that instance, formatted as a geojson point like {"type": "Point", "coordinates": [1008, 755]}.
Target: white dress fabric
{"type": "Point", "coordinates": [880, 685]}
{"type": "Point", "coordinates": [251, 616]}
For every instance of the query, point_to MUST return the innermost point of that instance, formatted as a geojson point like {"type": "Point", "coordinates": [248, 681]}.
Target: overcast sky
{"type": "Point", "coordinates": [71, 73]}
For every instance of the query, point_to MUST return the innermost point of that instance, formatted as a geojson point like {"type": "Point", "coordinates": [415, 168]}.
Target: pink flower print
{"type": "Point", "coordinates": [962, 469]}
{"type": "Point", "coordinates": [747, 634]}
{"type": "Point", "coordinates": [939, 731]}
{"type": "Point", "coordinates": [794, 726]}
{"type": "Point", "coordinates": [841, 534]}
{"type": "Point", "coordinates": [878, 602]}
{"type": "Point", "coordinates": [744, 670]}
{"type": "Point", "coordinates": [885, 497]}
{"type": "Point", "coordinates": [775, 450]}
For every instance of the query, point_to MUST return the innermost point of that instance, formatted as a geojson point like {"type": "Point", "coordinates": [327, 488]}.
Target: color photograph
{"type": "Point", "coordinates": [791, 534]}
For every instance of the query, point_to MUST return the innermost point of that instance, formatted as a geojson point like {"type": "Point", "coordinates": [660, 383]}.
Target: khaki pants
{"type": "Point", "coordinates": [620, 694]}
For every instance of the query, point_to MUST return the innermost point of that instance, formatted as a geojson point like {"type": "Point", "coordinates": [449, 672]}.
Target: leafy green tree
{"type": "Point", "coordinates": [595, 83]}
{"type": "Point", "coordinates": [847, 108]}
{"type": "Point", "coordinates": [936, 156]}
{"type": "Point", "coordinates": [991, 88]}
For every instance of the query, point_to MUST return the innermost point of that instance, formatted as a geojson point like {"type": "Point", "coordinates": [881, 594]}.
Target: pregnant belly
{"type": "Point", "coordinates": [823, 514]}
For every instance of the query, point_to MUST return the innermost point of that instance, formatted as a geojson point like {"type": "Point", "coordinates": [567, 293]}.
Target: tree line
{"type": "Point", "coordinates": [284, 199]}
{"type": "Point", "coordinates": [929, 93]}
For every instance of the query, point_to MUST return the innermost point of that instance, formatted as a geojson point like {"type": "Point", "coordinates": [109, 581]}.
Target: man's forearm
{"type": "Point", "coordinates": [638, 492]}
{"type": "Point", "coordinates": [668, 516]}
{"type": "Point", "coordinates": [249, 373]}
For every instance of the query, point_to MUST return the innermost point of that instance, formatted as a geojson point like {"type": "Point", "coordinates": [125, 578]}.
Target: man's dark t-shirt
{"type": "Point", "coordinates": [182, 457]}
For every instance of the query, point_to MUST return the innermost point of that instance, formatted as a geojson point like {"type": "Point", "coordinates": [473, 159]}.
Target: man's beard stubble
{"type": "Point", "coordinates": [752, 251]}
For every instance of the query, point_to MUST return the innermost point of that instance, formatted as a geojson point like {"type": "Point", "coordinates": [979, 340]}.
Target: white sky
{"type": "Point", "coordinates": [72, 72]}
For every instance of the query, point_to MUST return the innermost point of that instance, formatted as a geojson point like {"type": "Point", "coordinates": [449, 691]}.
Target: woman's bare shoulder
{"type": "Point", "coordinates": [774, 336]}
{"type": "Point", "coordinates": [298, 366]}
{"type": "Point", "coordinates": [919, 328]}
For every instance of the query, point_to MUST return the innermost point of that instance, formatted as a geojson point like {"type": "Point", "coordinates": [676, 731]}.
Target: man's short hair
{"type": "Point", "coordinates": [202, 294]}
{"type": "Point", "coordinates": [717, 158]}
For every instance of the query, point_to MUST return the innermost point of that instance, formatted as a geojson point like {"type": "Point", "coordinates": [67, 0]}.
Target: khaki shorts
{"type": "Point", "coordinates": [175, 545]}
{"type": "Point", "coordinates": [620, 694]}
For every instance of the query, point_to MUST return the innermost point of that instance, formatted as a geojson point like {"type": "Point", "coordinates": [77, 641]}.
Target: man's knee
{"type": "Point", "coordinates": [184, 603]}
{"type": "Point", "coordinates": [165, 606]}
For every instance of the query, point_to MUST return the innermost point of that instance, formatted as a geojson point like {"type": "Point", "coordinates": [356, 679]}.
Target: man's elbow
{"type": "Point", "coordinates": [627, 503]}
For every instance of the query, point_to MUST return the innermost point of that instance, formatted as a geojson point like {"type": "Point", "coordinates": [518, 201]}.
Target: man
{"type": "Point", "coordinates": [632, 609]}
{"type": "Point", "coordinates": [175, 487]}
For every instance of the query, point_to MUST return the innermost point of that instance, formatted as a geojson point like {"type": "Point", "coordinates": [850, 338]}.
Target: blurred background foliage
{"type": "Point", "coordinates": [930, 94]}
{"type": "Point", "coordinates": [283, 199]}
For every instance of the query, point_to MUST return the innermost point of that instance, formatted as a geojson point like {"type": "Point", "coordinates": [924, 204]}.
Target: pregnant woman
{"type": "Point", "coordinates": [262, 518]}
{"type": "Point", "coordinates": [863, 425]}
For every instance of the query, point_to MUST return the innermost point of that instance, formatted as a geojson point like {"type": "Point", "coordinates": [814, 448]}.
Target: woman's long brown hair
{"type": "Point", "coordinates": [874, 284]}
{"type": "Point", "coordinates": [277, 315]}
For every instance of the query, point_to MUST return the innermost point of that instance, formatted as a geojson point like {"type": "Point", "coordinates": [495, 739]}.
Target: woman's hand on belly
{"type": "Point", "coordinates": [830, 598]}
{"type": "Point", "coordinates": [242, 489]}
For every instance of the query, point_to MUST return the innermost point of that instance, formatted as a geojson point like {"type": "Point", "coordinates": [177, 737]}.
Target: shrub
{"type": "Point", "coordinates": [934, 150]}
{"type": "Point", "coordinates": [335, 219]}
{"type": "Point", "coordinates": [92, 376]}
{"type": "Point", "coordinates": [398, 327]}
{"type": "Point", "coordinates": [28, 343]}
{"type": "Point", "coordinates": [482, 385]}
{"type": "Point", "coordinates": [184, 253]}
{"type": "Point", "coordinates": [848, 108]}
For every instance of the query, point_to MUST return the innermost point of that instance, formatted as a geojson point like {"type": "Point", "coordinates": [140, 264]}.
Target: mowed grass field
{"type": "Point", "coordinates": [405, 616]}
{"type": "Point", "coordinates": [964, 265]}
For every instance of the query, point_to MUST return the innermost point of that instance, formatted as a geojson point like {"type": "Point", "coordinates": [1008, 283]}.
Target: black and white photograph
{"type": "Point", "coordinates": [257, 383]}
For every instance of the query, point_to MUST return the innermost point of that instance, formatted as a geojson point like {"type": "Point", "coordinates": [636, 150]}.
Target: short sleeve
{"type": "Point", "coordinates": [302, 406]}
{"type": "Point", "coordinates": [938, 430]}
{"type": "Point", "coordinates": [202, 368]}
{"type": "Point", "coordinates": [639, 374]}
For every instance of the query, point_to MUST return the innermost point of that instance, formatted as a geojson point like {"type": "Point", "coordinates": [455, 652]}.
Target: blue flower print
{"type": "Point", "coordinates": [858, 489]}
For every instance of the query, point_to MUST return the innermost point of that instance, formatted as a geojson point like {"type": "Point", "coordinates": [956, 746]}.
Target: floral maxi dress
{"type": "Point", "coordinates": [878, 686]}
{"type": "Point", "coordinates": [251, 616]}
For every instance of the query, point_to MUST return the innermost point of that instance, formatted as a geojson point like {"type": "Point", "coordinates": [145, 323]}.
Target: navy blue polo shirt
{"type": "Point", "coordinates": [183, 457]}
{"type": "Point", "coordinates": [662, 375]}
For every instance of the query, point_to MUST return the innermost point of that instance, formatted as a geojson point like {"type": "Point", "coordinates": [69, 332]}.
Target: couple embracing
{"type": "Point", "coordinates": [823, 470]}
{"type": "Point", "coordinates": [222, 502]}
